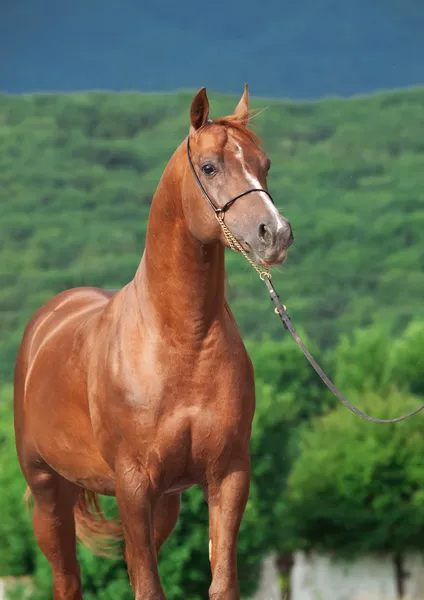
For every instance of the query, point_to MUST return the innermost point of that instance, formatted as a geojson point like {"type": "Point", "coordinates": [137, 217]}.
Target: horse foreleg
{"type": "Point", "coordinates": [136, 502]}
{"type": "Point", "coordinates": [227, 500]}
{"type": "Point", "coordinates": [167, 511]}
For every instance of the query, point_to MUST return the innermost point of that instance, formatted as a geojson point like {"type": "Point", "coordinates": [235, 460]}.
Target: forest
{"type": "Point", "coordinates": [77, 174]}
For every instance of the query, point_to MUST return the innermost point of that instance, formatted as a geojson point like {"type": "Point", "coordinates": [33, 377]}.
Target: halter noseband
{"type": "Point", "coordinates": [229, 204]}
{"type": "Point", "coordinates": [280, 309]}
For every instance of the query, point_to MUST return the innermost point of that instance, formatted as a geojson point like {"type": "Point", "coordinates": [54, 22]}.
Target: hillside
{"type": "Point", "coordinates": [303, 49]}
{"type": "Point", "coordinates": [77, 173]}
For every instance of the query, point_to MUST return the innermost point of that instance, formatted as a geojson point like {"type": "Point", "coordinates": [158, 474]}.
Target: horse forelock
{"type": "Point", "coordinates": [234, 122]}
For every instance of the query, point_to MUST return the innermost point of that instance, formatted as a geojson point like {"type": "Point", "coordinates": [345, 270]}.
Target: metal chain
{"type": "Point", "coordinates": [263, 272]}
{"type": "Point", "coordinates": [280, 309]}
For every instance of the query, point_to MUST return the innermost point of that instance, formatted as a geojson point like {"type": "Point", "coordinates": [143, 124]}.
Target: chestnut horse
{"type": "Point", "coordinates": [146, 391]}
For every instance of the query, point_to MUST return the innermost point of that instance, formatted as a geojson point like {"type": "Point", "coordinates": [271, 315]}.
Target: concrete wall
{"type": "Point", "coordinates": [268, 587]}
{"type": "Point", "coordinates": [323, 577]}
{"type": "Point", "coordinates": [8, 583]}
{"type": "Point", "coordinates": [320, 577]}
{"type": "Point", "coordinates": [414, 580]}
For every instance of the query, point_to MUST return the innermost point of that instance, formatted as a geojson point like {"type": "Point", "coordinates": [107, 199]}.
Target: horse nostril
{"type": "Point", "coordinates": [264, 234]}
{"type": "Point", "coordinates": [291, 237]}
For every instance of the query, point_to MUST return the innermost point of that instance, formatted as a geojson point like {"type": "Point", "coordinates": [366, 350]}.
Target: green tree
{"type": "Point", "coordinates": [77, 174]}
{"type": "Point", "coordinates": [407, 363]}
{"type": "Point", "coordinates": [17, 552]}
{"type": "Point", "coordinates": [374, 359]}
{"type": "Point", "coordinates": [358, 487]}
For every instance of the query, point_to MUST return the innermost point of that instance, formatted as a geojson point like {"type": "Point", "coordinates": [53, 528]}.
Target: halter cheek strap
{"type": "Point", "coordinates": [233, 243]}
{"type": "Point", "coordinates": [280, 309]}
{"type": "Point", "coordinates": [229, 204]}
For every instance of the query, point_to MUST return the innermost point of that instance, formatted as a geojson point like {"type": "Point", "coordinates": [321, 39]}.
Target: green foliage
{"type": "Point", "coordinates": [280, 365]}
{"type": "Point", "coordinates": [407, 358]}
{"type": "Point", "coordinates": [351, 477]}
{"type": "Point", "coordinates": [288, 395]}
{"type": "Point", "coordinates": [363, 361]}
{"type": "Point", "coordinates": [371, 359]}
{"type": "Point", "coordinates": [16, 546]}
{"type": "Point", "coordinates": [77, 173]}
{"type": "Point", "coordinates": [103, 579]}
{"type": "Point", "coordinates": [358, 487]}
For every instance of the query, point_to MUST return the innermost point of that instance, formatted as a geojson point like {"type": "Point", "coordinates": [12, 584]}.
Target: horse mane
{"type": "Point", "coordinates": [236, 123]}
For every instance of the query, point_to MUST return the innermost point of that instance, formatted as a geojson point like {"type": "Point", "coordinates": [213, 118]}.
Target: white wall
{"type": "Point", "coordinates": [268, 587]}
{"type": "Point", "coordinates": [323, 577]}
{"type": "Point", "coordinates": [414, 583]}
{"type": "Point", "coordinates": [7, 583]}
{"type": "Point", "coordinates": [320, 577]}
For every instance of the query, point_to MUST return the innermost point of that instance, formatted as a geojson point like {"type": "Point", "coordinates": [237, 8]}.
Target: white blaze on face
{"type": "Point", "coordinates": [254, 183]}
{"type": "Point", "coordinates": [210, 550]}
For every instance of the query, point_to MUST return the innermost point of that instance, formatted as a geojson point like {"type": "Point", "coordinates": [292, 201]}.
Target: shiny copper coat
{"type": "Point", "coordinates": [146, 391]}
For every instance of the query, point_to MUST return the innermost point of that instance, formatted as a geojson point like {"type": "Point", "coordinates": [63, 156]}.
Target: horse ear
{"type": "Point", "coordinates": [199, 110]}
{"type": "Point", "coordinates": [241, 111]}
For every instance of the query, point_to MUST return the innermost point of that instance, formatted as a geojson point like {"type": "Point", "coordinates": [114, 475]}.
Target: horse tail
{"type": "Point", "coordinates": [100, 534]}
{"type": "Point", "coordinates": [27, 498]}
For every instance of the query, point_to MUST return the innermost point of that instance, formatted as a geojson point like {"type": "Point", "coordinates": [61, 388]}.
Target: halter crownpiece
{"type": "Point", "coordinates": [280, 309]}
{"type": "Point", "coordinates": [219, 212]}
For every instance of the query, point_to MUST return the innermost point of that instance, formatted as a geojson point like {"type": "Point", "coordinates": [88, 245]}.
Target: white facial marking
{"type": "Point", "coordinates": [210, 550]}
{"type": "Point", "coordinates": [255, 184]}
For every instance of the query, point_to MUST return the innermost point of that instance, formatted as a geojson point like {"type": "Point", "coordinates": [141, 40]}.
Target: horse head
{"type": "Point", "coordinates": [231, 171]}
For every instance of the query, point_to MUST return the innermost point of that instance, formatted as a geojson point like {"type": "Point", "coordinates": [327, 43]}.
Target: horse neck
{"type": "Point", "coordinates": [180, 280]}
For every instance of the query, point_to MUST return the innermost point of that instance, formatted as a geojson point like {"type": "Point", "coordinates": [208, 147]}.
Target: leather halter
{"type": "Point", "coordinates": [229, 204]}
{"type": "Point", "coordinates": [280, 309]}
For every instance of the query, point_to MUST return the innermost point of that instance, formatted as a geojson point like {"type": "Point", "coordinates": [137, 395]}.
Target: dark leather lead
{"type": "Point", "coordinates": [285, 319]}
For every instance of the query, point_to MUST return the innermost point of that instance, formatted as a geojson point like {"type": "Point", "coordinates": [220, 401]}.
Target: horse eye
{"type": "Point", "coordinates": [208, 169]}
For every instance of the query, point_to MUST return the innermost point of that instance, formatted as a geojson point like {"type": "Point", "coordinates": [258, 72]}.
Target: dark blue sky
{"type": "Point", "coordinates": [303, 49]}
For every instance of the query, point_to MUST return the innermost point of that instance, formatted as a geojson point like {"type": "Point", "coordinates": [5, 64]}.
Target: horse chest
{"type": "Point", "coordinates": [219, 373]}
{"type": "Point", "coordinates": [207, 413]}
{"type": "Point", "coordinates": [174, 407]}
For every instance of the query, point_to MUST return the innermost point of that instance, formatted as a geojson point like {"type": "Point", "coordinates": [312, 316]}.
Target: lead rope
{"type": "Point", "coordinates": [235, 245]}
{"type": "Point", "coordinates": [280, 309]}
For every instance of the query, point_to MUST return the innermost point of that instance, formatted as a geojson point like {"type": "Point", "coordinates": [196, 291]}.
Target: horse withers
{"type": "Point", "coordinates": [146, 391]}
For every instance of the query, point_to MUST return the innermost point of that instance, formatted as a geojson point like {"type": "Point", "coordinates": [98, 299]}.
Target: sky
{"type": "Point", "coordinates": [303, 49]}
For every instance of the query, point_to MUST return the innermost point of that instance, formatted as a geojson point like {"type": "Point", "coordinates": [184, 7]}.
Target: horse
{"type": "Point", "coordinates": [144, 392]}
